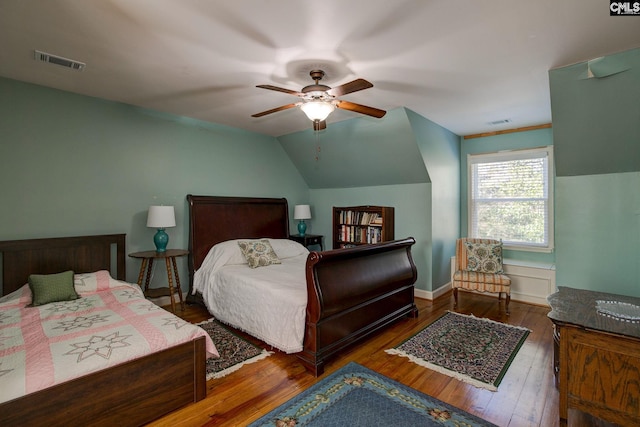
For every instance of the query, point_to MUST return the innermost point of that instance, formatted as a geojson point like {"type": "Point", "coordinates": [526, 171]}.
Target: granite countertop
{"type": "Point", "coordinates": [578, 307]}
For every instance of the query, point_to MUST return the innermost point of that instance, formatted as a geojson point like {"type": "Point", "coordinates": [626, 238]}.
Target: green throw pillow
{"type": "Point", "coordinates": [46, 288]}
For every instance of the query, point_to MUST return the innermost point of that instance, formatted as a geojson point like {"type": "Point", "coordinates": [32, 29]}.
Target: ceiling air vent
{"type": "Point", "coordinates": [59, 60]}
{"type": "Point", "coordinates": [499, 122]}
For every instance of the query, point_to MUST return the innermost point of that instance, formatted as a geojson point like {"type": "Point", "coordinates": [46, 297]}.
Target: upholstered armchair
{"type": "Point", "coordinates": [479, 268]}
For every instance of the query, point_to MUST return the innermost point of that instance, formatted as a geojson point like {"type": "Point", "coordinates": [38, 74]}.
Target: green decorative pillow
{"type": "Point", "coordinates": [484, 257]}
{"type": "Point", "coordinates": [46, 288]}
{"type": "Point", "coordinates": [258, 253]}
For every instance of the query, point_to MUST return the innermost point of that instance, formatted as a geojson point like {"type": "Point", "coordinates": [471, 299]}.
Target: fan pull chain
{"type": "Point", "coordinates": [317, 153]}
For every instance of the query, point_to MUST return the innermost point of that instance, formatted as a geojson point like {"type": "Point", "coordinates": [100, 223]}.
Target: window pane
{"type": "Point", "coordinates": [512, 221]}
{"type": "Point", "coordinates": [509, 197]}
{"type": "Point", "coordinates": [517, 179]}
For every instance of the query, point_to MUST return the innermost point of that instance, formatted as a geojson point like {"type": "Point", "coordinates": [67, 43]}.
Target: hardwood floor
{"type": "Point", "coordinates": [526, 397]}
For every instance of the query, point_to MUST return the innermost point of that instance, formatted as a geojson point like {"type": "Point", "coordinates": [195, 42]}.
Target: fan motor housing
{"type": "Point", "coordinates": [315, 88]}
{"type": "Point", "coordinates": [316, 75]}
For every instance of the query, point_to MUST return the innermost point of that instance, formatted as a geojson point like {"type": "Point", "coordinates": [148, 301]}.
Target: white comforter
{"type": "Point", "coordinates": [267, 302]}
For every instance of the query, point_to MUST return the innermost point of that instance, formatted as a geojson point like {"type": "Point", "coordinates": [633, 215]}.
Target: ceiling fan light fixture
{"type": "Point", "coordinates": [317, 110]}
{"type": "Point", "coordinates": [318, 101]}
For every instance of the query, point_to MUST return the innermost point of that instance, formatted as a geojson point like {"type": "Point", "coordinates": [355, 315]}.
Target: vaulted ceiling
{"type": "Point", "coordinates": [461, 64]}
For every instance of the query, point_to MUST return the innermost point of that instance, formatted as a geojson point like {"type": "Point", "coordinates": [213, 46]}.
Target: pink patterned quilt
{"type": "Point", "coordinates": [110, 324]}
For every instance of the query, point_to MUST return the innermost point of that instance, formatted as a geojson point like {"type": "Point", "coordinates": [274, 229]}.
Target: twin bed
{"type": "Point", "coordinates": [47, 374]}
{"type": "Point", "coordinates": [319, 303]}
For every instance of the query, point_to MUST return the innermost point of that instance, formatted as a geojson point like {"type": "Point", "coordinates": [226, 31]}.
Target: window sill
{"type": "Point", "coordinates": [528, 249]}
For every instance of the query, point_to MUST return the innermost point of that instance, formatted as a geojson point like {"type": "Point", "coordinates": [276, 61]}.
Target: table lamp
{"type": "Point", "coordinates": [161, 217]}
{"type": "Point", "coordinates": [302, 212]}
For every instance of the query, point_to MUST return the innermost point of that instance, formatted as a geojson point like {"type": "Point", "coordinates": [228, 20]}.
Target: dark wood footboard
{"type": "Point", "coordinates": [354, 292]}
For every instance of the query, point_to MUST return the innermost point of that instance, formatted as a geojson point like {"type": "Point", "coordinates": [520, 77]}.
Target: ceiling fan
{"type": "Point", "coordinates": [318, 100]}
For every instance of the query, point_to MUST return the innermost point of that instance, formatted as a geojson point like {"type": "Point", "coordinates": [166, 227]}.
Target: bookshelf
{"type": "Point", "coordinates": [360, 225]}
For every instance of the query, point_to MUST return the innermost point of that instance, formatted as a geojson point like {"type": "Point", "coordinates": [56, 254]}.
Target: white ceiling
{"type": "Point", "coordinates": [458, 63]}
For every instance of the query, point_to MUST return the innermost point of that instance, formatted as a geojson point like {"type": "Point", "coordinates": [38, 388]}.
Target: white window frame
{"type": "Point", "coordinates": [502, 156]}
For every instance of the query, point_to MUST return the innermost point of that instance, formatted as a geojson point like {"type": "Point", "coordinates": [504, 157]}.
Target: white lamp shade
{"type": "Point", "coordinates": [317, 110]}
{"type": "Point", "coordinates": [161, 217]}
{"type": "Point", "coordinates": [302, 212]}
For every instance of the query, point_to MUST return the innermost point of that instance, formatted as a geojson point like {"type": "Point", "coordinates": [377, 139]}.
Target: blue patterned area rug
{"type": "Point", "coordinates": [474, 350]}
{"type": "Point", "coordinates": [359, 397]}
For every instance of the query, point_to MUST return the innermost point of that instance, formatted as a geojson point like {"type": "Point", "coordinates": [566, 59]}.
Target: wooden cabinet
{"type": "Point", "coordinates": [597, 357]}
{"type": "Point", "coordinates": [360, 225]}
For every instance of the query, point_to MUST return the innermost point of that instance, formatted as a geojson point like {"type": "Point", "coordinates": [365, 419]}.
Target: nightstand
{"type": "Point", "coordinates": [169, 257]}
{"type": "Point", "coordinates": [308, 240]}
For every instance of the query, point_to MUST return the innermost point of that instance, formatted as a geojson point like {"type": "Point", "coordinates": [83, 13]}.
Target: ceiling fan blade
{"type": "Point", "coordinates": [281, 89]}
{"type": "Point", "coordinates": [362, 109]}
{"type": "Point", "coordinates": [354, 86]}
{"type": "Point", "coordinates": [274, 110]}
{"type": "Point", "coordinates": [319, 125]}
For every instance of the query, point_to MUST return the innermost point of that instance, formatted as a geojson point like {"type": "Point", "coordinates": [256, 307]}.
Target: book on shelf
{"type": "Point", "coordinates": [376, 220]}
{"type": "Point", "coordinates": [361, 218]}
{"type": "Point", "coordinates": [359, 234]}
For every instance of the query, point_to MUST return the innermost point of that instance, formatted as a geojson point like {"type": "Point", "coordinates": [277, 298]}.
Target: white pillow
{"type": "Point", "coordinates": [229, 253]}
{"type": "Point", "coordinates": [286, 248]}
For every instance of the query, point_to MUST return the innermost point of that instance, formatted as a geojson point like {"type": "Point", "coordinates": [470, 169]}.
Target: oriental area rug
{"type": "Point", "coordinates": [234, 351]}
{"type": "Point", "coordinates": [474, 350]}
{"type": "Point", "coordinates": [357, 396]}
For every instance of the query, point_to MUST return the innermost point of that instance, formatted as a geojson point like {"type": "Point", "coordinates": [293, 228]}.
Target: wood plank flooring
{"type": "Point", "coordinates": [526, 397]}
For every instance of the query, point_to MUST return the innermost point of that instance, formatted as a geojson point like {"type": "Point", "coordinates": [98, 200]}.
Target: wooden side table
{"type": "Point", "coordinates": [308, 240]}
{"type": "Point", "coordinates": [169, 257]}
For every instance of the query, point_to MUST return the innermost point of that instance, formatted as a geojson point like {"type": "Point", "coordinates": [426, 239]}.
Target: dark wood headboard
{"type": "Point", "coordinates": [82, 254]}
{"type": "Point", "coordinates": [215, 219]}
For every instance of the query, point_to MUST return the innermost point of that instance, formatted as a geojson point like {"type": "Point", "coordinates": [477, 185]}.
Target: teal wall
{"type": "Point", "coordinates": [359, 152]}
{"type": "Point", "coordinates": [597, 144]}
{"type": "Point", "coordinates": [596, 121]}
{"type": "Point", "coordinates": [598, 232]}
{"type": "Point", "coordinates": [81, 165]}
{"type": "Point", "coordinates": [488, 144]}
{"type": "Point", "coordinates": [440, 150]}
{"type": "Point", "coordinates": [412, 212]}
{"type": "Point", "coordinates": [75, 165]}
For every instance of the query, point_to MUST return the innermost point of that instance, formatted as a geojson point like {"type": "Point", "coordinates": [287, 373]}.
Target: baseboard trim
{"type": "Point", "coordinates": [515, 296]}
{"type": "Point", "coordinates": [431, 295]}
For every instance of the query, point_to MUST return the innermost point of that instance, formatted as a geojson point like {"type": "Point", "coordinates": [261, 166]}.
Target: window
{"type": "Point", "coordinates": [511, 198]}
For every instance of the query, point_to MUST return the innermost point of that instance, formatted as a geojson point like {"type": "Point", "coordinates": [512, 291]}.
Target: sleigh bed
{"type": "Point", "coordinates": [350, 293]}
{"type": "Point", "coordinates": [130, 393]}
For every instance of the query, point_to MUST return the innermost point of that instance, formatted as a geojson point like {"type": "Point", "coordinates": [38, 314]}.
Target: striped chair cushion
{"type": "Point", "coordinates": [482, 282]}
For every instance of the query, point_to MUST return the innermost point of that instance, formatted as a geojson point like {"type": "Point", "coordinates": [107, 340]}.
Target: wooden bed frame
{"type": "Point", "coordinates": [133, 393]}
{"type": "Point", "coordinates": [352, 292]}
